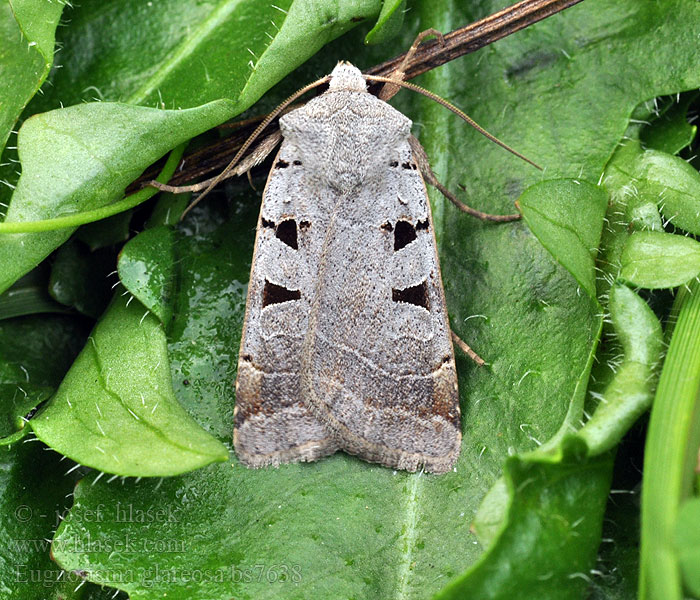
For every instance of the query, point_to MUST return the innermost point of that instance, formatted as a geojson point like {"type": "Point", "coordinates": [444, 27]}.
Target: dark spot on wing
{"type": "Point", "coordinates": [287, 232]}
{"type": "Point", "coordinates": [276, 294]}
{"type": "Point", "coordinates": [404, 234]}
{"type": "Point", "coordinates": [417, 295]}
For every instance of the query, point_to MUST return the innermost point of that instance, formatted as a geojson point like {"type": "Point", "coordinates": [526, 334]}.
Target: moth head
{"type": "Point", "coordinates": [347, 78]}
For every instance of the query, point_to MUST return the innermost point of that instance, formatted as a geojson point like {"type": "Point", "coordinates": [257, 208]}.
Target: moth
{"type": "Point", "coordinates": [346, 342]}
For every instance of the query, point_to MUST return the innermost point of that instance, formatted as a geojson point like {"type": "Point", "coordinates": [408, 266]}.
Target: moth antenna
{"type": "Point", "coordinates": [253, 136]}
{"type": "Point", "coordinates": [455, 110]}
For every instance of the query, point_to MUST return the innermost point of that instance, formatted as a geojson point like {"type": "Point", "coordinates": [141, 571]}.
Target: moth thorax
{"type": "Point", "coordinates": [345, 180]}
{"type": "Point", "coordinates": [345, 77]}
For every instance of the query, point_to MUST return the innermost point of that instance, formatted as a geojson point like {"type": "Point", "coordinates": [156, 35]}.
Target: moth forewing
{"type": "Point", "coordinates": [272, 425]}
{"type": "Point", "coordinates": [346, 319]}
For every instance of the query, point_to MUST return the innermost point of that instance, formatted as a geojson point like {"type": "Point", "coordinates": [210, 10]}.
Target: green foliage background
{"type": "Point", "coordinates": [142, 408]}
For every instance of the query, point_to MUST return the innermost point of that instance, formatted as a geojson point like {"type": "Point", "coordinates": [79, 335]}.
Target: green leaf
{"type": "Point", "coordinates": [686, 539]}
{"type": "Point", "coordinates": [567, 218]}
{"type": "Point", "coordinates": [38, 24]}
{"type": "Point", "coordinates": [27, 29]}
{"type": "Point", "coordinates": [90, 216]}
{"type": "Point", "coordinates": [213, 266]}
{"type": "Point", "coordinates": [675, 185]}
{"type": "Point", "coordinates": [35, 492]}
{"type": "Point", "coordinates": [659, 260]}
{"type": "Point", "coordinates": [197, 52]}
{"type": "Point", "coordinates": [631, 390]}
{"type": "Point", "coordinates": [553, 530]}
{"type": "Point", "coordinates": [146, 268]}
{"type": "Point", "coordinates": [271, 549]}
{"type": "Point", "coordinates": [115, 409]}
{"type": "Point", "coordinates": [97, 150]}
{"type": "Point", "coordinates": [389, 22]}
{"type": "Point", "coordinates": [307, 27]}
{"type": "Point", "coordinates": [616, 379]}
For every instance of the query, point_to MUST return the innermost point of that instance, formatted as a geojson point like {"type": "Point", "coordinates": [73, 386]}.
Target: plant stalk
{"type": "Point", "coordinates": [671, 450]}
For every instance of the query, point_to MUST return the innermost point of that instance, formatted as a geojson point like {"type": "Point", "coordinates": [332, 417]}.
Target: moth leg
{"type": "Point", "coordinates": [464, 347]}
{"type": "Point", "coordinates": [389, 90]}
{"type": "Point", "coordinates": [250, 180]}
{"type": "Point", "coordinates": [421, 159]}
{"type": "Point", "coordinates": [257, 155]}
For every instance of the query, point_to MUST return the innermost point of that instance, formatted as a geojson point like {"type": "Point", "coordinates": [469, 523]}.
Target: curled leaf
{"type": "Point", "coordinates": [631, 391]}
{"type": "Point", "coordinates": [115, 409]}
